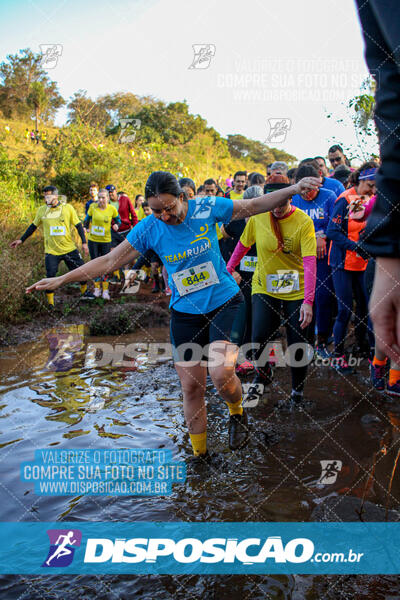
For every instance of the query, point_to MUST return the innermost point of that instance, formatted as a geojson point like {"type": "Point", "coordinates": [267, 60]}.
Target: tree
{"type": "Point", "coordinates": [38, 100]}
{"type": "Point", "coordinates": [18, 73]}
{"type": "Point", "coordinates": [83, 109]}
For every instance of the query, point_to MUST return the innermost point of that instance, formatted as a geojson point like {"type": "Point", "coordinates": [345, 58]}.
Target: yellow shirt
{"type": "Point", "coordinates": [100, 225]}
{"type": "Point", "coordinates": [140, 213]}
{"type": "Point", "coordinates": [235, 196]}
{"type": "Point", "coordinates": [57, 224]}
{"type": "Point", "coordinates": [280, 274]}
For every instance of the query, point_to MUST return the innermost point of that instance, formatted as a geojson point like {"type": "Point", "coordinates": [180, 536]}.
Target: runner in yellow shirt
{"type": "Point", "coordinates": [57, 220]}
{"type": "Point", "coordinates": [101, 217]}
{"type": "Point", "coordinates": [284, 279]}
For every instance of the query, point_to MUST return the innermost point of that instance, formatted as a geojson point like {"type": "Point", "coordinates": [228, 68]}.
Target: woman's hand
{"type": "Point", "coordinates": [115, 227]}
{"type": "Point", "coordinates": [85, 249]}
{"type": "Point", "coordinates": [237, 277]}
{"type": "Point", "coordinates": [50, 284]}
{"type": "Point", "coordinates": [321, 247]}
{"type": "Point", "coordinates": [306, 184]}
{"type": "Point", "coordinates": [15, 243]}
{"type": "Point", "coordinates": [306, 315]}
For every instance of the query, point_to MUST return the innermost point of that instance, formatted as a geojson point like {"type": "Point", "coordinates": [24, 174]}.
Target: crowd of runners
{"type": "Point", "coordinates": [240, 259]}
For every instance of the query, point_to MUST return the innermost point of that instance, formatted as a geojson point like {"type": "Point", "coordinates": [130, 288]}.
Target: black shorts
{"type": "Point", "coordinates": [72, 260]}
{"type": "Point", "coordinates": [191, 334]}
{"type": "Point", "coordinates": [97, 249]}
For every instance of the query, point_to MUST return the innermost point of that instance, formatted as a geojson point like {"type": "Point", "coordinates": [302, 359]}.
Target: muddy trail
{"type": "Point", "coordinates": [54, 394]}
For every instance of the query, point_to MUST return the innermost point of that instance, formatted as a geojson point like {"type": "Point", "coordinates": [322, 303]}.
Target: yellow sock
{"type": "Point", "coordinates": [105, 285]}
{"type": "Point", "coordinates": [117, 275]}
{"type": "Point", "coordinates": [235, 408]}
{"type": "Point", "coordinates": [97, 284]}
{"type": "Point", "coordinates": [199, 443]}
{"type": "Point", "coordinates": [379, 363]}
{"type": "Point", "coordinates": [50, 298]}
{"type": "Point", "coordinates": [394, 376]}
{"type": "Point", "coordinates": [83, 288]}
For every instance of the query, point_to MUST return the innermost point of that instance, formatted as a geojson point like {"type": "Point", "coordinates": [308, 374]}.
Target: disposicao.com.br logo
{"type": "Point", "coordinates": [213, 550]}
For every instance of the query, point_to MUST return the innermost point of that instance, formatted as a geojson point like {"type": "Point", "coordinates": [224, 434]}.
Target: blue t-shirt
{"type": "Point", "coordinates": [334, 185]}
{"type": "Point", "coordinates": [188, 244]}
{"type": "Point", "coordinates": [319, 209]}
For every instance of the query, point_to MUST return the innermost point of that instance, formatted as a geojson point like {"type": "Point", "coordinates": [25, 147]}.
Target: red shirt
{"type": "Point", "coordinates": [127, 213]}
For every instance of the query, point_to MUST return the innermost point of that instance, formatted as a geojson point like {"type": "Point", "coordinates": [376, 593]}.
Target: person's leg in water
{"type": "Point", "coordinates": [342, 281]}
{"type": "Point", "coordinates": [51, 262]}
{"type": "Point", "coordinates": [156, 276]}
{"type": "Point", "coordinates": [222, 357]}
{"type": "Point", "coordinates": [266, 320]}
{"type": "Point", "coordinates": [299, 347]}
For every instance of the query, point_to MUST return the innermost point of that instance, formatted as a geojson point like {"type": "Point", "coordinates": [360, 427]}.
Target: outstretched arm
{"type": "Point", "coordinates": [118, 257]}
{"type": "Point", "coordinates": [31, 229]}
{"type": "Point", "coordinates": [255, 206]}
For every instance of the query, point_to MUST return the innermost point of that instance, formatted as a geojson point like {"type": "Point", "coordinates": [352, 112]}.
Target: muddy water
{"type": "Point", "coordinates": [54, 395]}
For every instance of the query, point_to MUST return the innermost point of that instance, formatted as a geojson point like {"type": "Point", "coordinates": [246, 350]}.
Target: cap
{"type": "Point", "coordinates": [110, 187]}
{"type": "Point", "coordinates": [279, 164]}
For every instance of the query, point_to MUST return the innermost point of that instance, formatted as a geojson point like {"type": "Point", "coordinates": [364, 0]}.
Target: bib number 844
{"type": "Point", "coordinates": [197, 278]}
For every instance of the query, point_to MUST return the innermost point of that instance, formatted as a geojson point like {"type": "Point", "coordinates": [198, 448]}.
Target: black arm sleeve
{"type": "Point", "coordinates": [31, 229]}
{"type": "Point", "coordinates": [79, 228]}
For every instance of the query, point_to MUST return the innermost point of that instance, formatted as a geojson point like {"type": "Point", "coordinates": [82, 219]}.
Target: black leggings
{"type": "Point", "coordinates": [267, 318]}
{"type": "Point", "coordinates": [97, 249]}
{"type": "Point", "coordinates": [73, 260]}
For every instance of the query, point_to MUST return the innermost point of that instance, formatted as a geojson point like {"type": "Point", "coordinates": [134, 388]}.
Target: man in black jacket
{"type": "Point", "coordinates": [380, 22]}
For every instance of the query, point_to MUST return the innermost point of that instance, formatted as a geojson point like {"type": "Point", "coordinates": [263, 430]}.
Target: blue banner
{"type": "Point", "coordinates": [201, 548]}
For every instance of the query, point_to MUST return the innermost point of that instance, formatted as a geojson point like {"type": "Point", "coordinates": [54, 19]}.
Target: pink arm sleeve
{"type": "Point", "coordinates": [310, 277]}
{"type": "Point", "coordinates": [237, 256]}
{"type": "Point", "coordinates": [369, 206]}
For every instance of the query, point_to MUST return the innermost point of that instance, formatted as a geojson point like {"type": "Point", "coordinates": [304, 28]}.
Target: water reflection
{"type": "Point", "coordinates": [54, 394]}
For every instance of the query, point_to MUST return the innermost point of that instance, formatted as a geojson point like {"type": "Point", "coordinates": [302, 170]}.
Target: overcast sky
{"type": "Point", "coordinates": [296, 61]}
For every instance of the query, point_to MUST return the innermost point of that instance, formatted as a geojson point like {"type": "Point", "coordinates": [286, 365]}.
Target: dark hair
{"type": "Point", "coordinates": [335, 148]}
{"type": "Point", "coordinates": [145, 203]}
{"type": "Point", "coordinates": [256, 179]}
{"type": "Point", "coordinates": [291, 173]}
{"type": "Point", "coordinates": [210, 182]}
{"type": "Point", "coordinates": [187, 182]}
{"type": "Point", "coordinates": [220, 191]}
{"type": "Point", "coordinates": [307, 170]}
{"type": "Point", "coordinates": [138, 196]}
{"type": "Point", "coordinates": [200, 189]}
{"type": "Point", "coordinates": [321, 157]}
{"type": "Point", "coordinates": [309, 161]}
{"type": "Point", "coordinates": [50, 188]}
{"type": "Point", "coordinates": [239, 174]}
{"type": "Point", "coordinates": [355, 176]}
{"type": "Point", "coordinates": [162, 182]}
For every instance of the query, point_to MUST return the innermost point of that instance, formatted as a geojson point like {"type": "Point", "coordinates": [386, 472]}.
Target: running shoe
{"type": "Point", "coordinates": [393, 390]}
{"type": "Point", "coordinates": [106, 295]}
{"type": "Point", "coordinates": [296, 398]}
{"type": "Point", "coordinates": [322, 351]}
{"type": "Point", "coordinates": [97, 292]}
{"type": "Point", "coordinates": [244, 368]}
{"type": "Point", "coordinates": [238, 431]}
{"type": "Point", "coordinates": [87, 296]}
{"type": "Point", "coordinates": [377, 373]}
{"type": "Point", "coordinates": [340, 364]}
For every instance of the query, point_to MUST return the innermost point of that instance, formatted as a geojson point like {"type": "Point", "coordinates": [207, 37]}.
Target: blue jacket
{"type": "Point", "coordinates": [320, 209]}
{"type": "Point", "coordinates": [334, 185]}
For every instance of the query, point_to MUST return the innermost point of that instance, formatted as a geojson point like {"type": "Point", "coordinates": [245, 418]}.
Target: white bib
{"type": "Point", "coordinates": [57, 230]}
{"type": "Point", "coordinates": [283, 282]}
{"type": "Point", "coordinates": [195, 278]}
{"type": "Point", "coordinates": [98, 230]}
{"type": "Point", "coordinates": [248, 263]}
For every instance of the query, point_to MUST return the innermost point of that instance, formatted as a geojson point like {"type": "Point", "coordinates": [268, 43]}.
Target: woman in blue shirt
{"type": "Point", "coordinates": [204, 297]}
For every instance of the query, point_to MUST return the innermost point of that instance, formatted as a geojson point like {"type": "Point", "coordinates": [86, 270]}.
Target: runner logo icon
{"type": "Point", "coordinates": [63, 543]}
